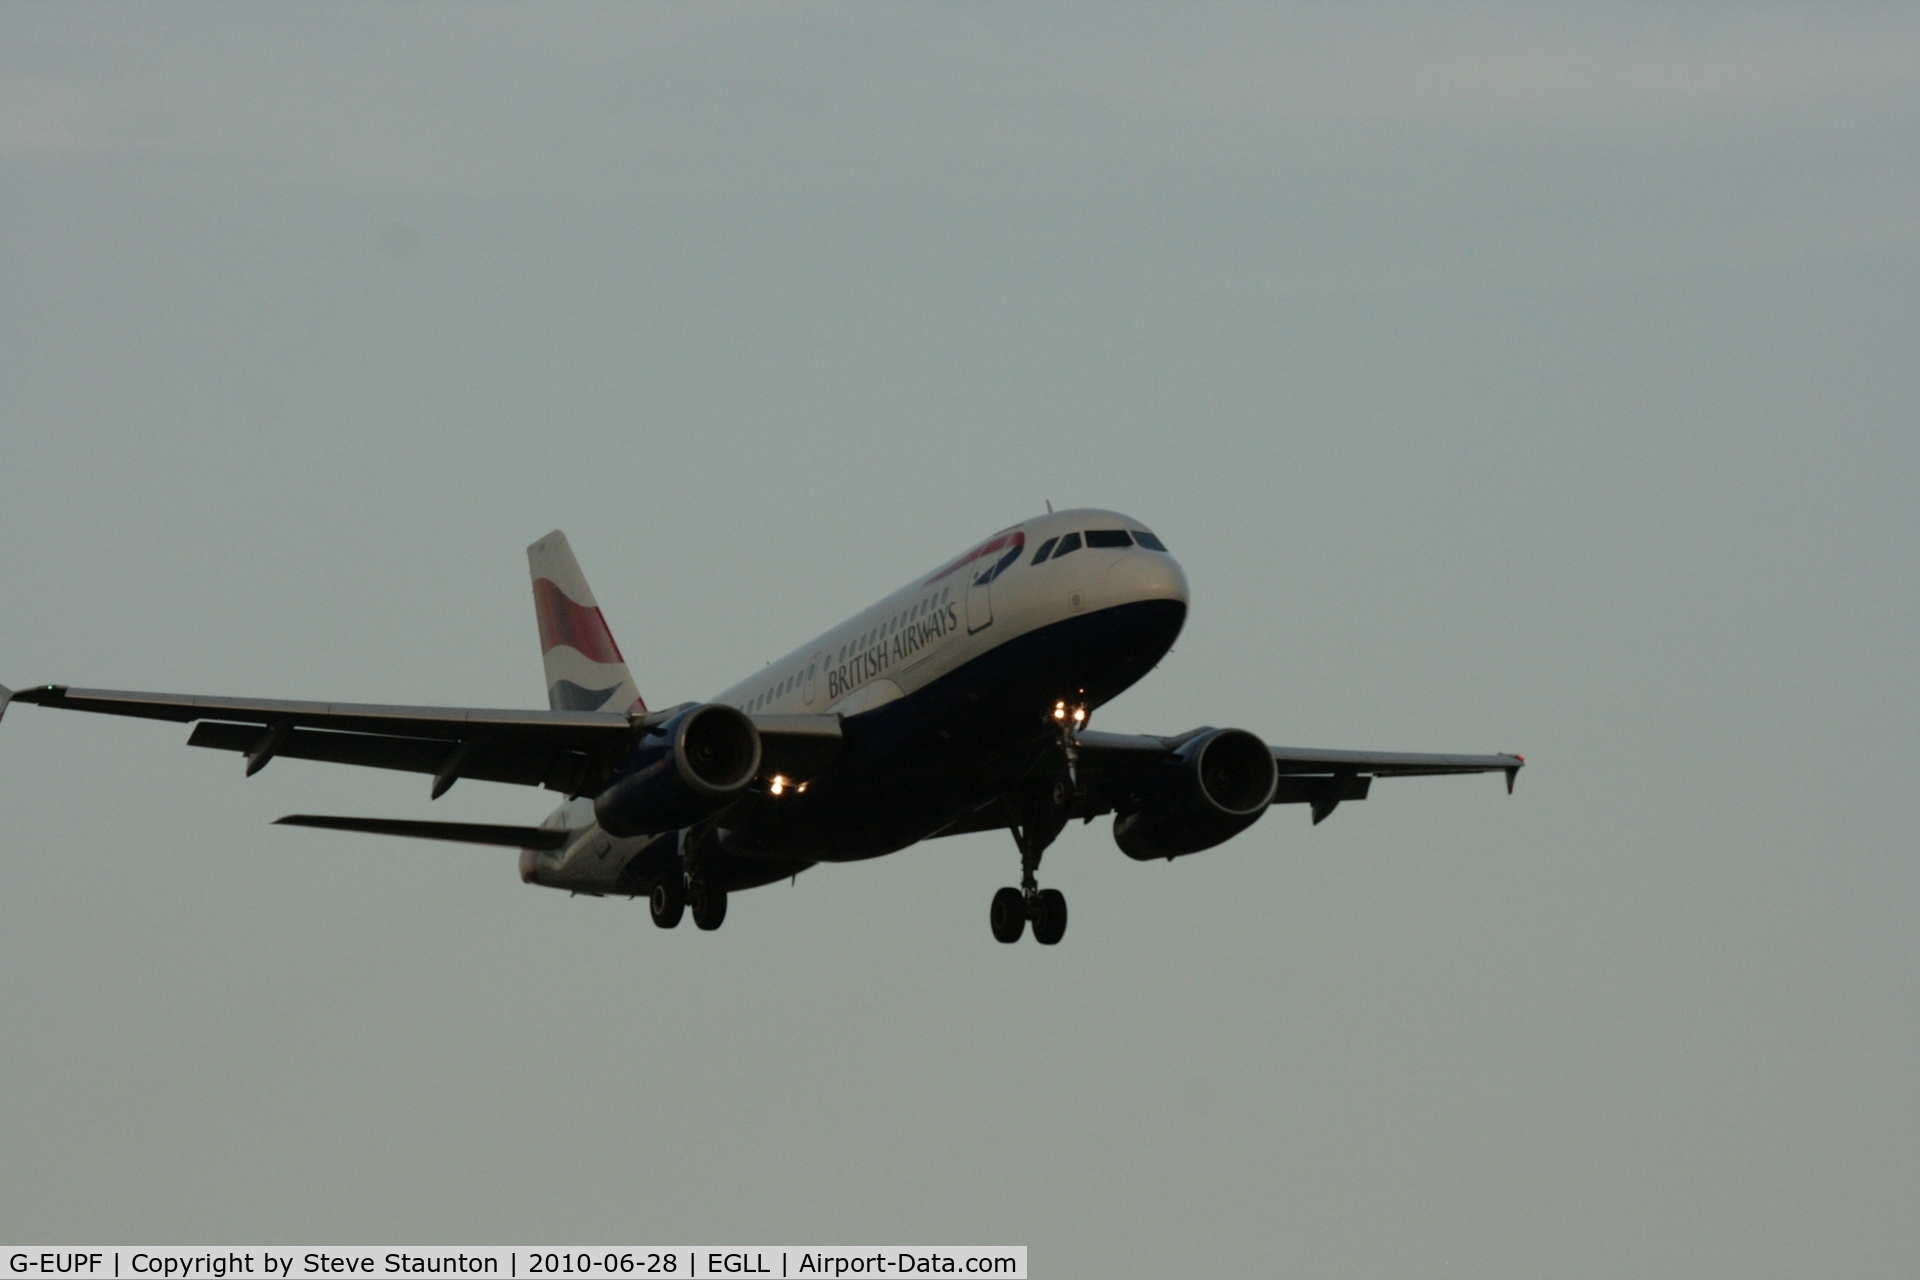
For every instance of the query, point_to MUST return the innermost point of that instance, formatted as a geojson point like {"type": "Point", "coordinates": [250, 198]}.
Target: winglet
{"type": "Point", "coordinates": [1514, 772]}
{"type": "Point", "coordinates": [6, 696]}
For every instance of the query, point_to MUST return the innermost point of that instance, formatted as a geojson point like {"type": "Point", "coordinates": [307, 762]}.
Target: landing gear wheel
{"type": "Point", "coordinates": [1049, 917]}
{"type": "Point", "coordinates": [709, 906]}
{"type": "Point", "coordinates": [1009, 915]}
{"type": "Point", "coordinates": [668, 901]}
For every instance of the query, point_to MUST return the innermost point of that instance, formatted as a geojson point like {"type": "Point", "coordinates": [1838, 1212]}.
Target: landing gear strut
{"type": "Point", "coordinates": [1047, 908]}
{"type": "Point", "coordinates": [1036, 814]}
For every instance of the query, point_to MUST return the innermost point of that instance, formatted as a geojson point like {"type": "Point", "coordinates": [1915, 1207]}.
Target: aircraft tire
{"type": "Point", "coordinates": [668, 901]}
{"type": "Point", "coordinates": [709, 907]}
{"type": "Point", "coordinates": [1009, 915]}
{"type": "Point", "coordinates": [1050, 917]}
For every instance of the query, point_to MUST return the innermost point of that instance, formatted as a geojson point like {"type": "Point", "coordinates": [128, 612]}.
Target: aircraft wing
{"type": "Point", "coordinates": [1319, 777]}
{"type": "Point", "coordinates": [559, 750]}
{"type": "Point", "coordinates": [1112, 763]}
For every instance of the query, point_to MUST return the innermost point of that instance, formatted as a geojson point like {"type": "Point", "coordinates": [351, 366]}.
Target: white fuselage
{"type": "Point", "coordinates": [944, 620]}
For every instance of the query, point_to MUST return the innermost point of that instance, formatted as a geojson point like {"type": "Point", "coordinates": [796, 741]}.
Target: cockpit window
{"type": "Point", "coordinates": [1046, 549]}
{"type": "Point", "coordinates": [1148, 541]}
{"type": "Point", "coordinates": [1068, 544]}
{"type": "Point", "coordinates": [1108, 538]}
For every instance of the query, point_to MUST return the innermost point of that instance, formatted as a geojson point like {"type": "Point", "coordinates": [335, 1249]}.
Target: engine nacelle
{"type": "Point", "coordinates": [684, 770]}
{"type": "Point", "coordinates": [1214, 787]}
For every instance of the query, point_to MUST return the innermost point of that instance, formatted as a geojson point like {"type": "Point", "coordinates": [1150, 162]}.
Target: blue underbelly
{"type": "Point", "coordinates": [911, 767]}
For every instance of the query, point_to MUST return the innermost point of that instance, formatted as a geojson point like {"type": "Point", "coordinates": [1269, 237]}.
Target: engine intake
{"type": "Point", "coordinates": [684, 770]}
{"type": "Point", "coordinates": [1215, 786]}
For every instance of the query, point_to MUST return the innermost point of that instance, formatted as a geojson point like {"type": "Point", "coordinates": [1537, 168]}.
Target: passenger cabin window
{"type": "Point", "coordinates": [1046, 549]}
{"type": "Point", "coordinates": [1148, 541]}
{"type": "Point", "coordinates": [1068, 545]}
{"type": "Point", "coordinates": [1108, 538]}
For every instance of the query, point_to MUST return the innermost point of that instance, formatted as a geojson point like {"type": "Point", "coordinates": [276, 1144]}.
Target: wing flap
{"type": "Point", "coordinates": [530, 764]}
{"type": "Point", "coordinates": [1325, 791]}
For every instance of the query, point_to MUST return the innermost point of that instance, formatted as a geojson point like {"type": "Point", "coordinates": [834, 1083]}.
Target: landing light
{"type": "Point", "coordinates": [779, 784]}
{"type": "Point", "coordinates": [1079, 714]}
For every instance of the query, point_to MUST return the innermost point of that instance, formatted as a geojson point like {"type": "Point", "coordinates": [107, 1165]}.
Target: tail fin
{"type": "Point", "coordinates": [585, 671]}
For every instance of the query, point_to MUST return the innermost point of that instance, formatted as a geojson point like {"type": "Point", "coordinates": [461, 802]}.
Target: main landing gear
{"type": "Point", "coordinates": [709, 905]}
{"type": "Point", "coordinates": [1036, 814]}
{"type": "Point", "coordinates": [685, 887]}
{"type": "Point", "coordinates": [1047, 908]}
{"type": "Point", "coordinates": [672, 895]}
{"type": "Point", "coordinates": [1012, 908]}
{"type": "Point", "coordinates": [668, 902]}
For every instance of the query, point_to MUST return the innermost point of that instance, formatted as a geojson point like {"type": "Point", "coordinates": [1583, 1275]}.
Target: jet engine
{"type": "Point", "coordinates": [681, 771]}
{"type": "Point", "coordinates": [1214, 787]}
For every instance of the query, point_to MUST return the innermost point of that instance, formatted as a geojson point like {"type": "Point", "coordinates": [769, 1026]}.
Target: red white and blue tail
{"type": "Point", "coordinates": [585, 671]}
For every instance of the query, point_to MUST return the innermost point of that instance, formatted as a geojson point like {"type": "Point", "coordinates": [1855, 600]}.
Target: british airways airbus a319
{"type": "Point", "coordinates": [957, 704]}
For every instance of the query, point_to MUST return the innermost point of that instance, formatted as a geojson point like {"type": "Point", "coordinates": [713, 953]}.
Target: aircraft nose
{"type": "Point", "coordinates": [1145, 575]}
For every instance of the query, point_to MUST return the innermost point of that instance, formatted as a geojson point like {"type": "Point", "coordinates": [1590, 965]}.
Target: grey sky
{"type": "Point", "coordinates": [1506, 378]}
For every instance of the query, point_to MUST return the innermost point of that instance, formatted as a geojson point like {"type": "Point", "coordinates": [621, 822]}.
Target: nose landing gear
{"type": "Point", "coordinates": [1036, 814]}
{"type": "Point", "coordinates": [1012, 907]}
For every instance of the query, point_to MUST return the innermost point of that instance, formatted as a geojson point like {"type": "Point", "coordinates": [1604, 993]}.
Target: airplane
{"type": "Point", "coordinates": [957, 704]}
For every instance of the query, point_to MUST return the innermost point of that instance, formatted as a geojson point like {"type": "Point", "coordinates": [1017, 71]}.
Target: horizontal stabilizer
{"type": "Point", "coordinates": [466, 832]}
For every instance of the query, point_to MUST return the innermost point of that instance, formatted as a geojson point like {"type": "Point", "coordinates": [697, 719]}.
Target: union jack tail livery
{"type": "Point", "coordinates": [585, 671]}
